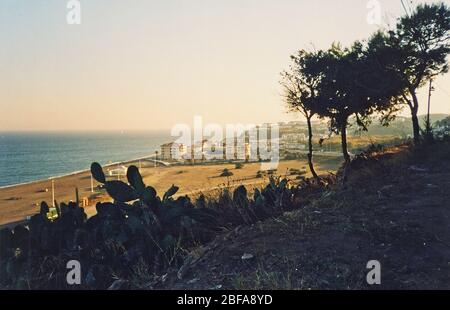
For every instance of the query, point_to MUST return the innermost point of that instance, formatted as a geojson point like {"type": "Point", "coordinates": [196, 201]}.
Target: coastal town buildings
{"type": "Point", "coordinates": [248, 146]}
{"type": "Point", "coordinates": [173, 151]}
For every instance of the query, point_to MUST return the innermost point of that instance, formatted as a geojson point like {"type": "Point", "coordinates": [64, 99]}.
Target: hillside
{"type": "Point", "coordinates": [394, 208]}
{"type": "Point", "coordinates": [401, 126]}
{"type": "Point", "coordinates": [389, 205]}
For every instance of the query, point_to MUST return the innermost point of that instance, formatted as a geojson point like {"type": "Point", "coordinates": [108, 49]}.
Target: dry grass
{"type": "Point", "coordinates": [192, 181]}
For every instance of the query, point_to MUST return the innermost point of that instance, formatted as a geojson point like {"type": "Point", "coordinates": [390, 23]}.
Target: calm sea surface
{"type": "Point", "coordinates": [26, 157]}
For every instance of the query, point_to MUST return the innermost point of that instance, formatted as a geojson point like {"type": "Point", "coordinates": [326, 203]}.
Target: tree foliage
{"type": "Point", "coordinates": [371, 78]}
{"type": "Point", "coordinates": [418, 50]}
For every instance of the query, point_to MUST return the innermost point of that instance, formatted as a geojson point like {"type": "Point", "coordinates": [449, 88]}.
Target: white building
{"type": "Point", "coordinates": [173, 151]}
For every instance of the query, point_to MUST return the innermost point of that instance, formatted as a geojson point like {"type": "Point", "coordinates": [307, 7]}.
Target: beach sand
{"type": "Point", "coordinates": [18, 202]}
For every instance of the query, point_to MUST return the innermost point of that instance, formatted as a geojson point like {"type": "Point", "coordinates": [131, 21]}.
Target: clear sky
{"type": "Point", "coordinates": [150, 64]}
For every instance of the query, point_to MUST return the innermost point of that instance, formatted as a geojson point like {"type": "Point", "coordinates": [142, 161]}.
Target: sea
{"type": "Point", "coordinates": [31, 156]}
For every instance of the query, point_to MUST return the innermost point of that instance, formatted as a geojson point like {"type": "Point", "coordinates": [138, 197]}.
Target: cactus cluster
{"type": "Point", "coordinates": [138, 227]}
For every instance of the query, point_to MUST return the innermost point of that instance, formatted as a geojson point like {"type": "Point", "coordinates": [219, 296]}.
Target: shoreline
{"type": "Point", "coordinates": [19, 201]}
{"type": "Point", "coordinates": [74, 173]}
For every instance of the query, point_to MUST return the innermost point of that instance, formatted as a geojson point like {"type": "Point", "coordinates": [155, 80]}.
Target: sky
{"type": "Point", "coordinates": [152, 64]}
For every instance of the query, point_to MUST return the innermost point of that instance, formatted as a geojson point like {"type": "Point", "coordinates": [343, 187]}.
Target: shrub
{"type": "Point", "coordinates": [226, 173]}
{"type": "Point", "coordinates": [299, 172]}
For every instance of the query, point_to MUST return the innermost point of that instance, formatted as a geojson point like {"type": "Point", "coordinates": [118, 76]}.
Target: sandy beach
{"type": "Point", "coordinates": [18, 202]}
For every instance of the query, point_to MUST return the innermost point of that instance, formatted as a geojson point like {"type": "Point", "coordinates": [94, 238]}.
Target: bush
{"type": "Point", "coordinates": [299, 172]}
{"type": "Point", "coordinates": [239, 166]}
{"type": "Point", "coordinates": [226, 173]}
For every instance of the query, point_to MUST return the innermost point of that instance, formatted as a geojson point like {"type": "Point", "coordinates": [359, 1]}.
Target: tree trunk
{"type": "Point", "coordinates": [310, 148]}
{"type": "Point", "coordinates": [344, 142]}
{"type": "Point", "coordinates": [415, 120]}
{"type": "Point", "coordinates": [416, 127]}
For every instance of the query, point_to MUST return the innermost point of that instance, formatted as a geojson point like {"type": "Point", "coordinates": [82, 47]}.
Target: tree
{"type": "Point", "coordinates": [420, 45]}
{"type": "Point", "coordinates": [385, 81]}
{"type": "Point", "coordinates": [337, 99]}
{"type": "Point", "coordinates": [300, 91]}
{"type": "Point", "coordinates": [353, 83]}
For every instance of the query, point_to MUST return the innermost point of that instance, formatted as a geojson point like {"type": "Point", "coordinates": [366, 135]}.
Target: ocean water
{"type": "Point", "coordinates": [27, 157]}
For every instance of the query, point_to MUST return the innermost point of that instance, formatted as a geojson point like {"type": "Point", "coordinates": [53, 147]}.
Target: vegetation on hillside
{"type": "Point", "coordinates": [135, 238]}
{"type": "Point", "coordinates": [390, 209]}
{"type": "Point", "coordinates": [374, 77]}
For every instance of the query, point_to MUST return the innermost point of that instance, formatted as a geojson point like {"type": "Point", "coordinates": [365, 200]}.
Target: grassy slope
{"type": "Point", "coordinates": [386, 212]}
